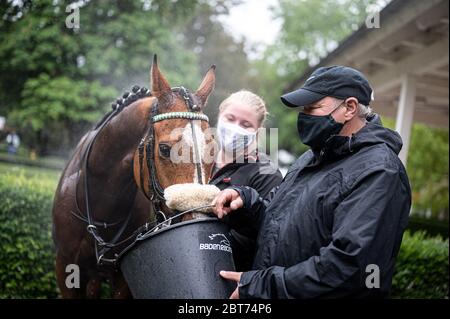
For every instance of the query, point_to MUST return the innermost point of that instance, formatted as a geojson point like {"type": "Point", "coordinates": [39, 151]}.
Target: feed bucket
{"type": "Point", "coordinates": [181, 261]}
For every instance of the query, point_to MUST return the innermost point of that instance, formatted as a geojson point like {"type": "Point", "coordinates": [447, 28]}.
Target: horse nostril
{"type": "Point", "coordinates": [164, 150]}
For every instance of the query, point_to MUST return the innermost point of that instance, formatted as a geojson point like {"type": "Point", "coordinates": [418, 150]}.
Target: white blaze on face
{"type": "Point", "coordinates": [198, 155]}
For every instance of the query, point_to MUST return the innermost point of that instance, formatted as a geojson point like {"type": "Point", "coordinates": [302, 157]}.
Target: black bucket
{"type": "Point", "coordinates": [181, 262]}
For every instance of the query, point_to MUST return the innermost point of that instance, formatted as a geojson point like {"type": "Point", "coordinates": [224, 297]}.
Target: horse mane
{"type": "Point", "coordinates": [126, 99]}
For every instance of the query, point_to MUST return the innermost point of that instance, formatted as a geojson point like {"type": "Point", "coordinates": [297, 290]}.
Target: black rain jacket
{"type": "Point", "coordinates": [260, 175]}
{"type": "Point", "coordinates": [334, 216]}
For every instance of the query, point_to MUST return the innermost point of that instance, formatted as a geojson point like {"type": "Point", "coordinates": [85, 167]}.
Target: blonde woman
{"type": "Point", "coordinates": [239, 163]}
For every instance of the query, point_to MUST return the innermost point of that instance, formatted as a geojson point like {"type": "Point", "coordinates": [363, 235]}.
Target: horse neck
{"type": "Point", "coordinates": [111, 184]}
{"type": "Point", "coordinates": [118, 140]}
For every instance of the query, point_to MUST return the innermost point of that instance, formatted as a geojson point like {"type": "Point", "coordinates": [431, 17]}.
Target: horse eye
{"type": "Point", "coordinates": [164, 150]}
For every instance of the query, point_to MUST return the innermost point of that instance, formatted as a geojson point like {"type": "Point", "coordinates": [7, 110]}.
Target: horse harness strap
{"type": "Point", "coordinates": [104, 225]}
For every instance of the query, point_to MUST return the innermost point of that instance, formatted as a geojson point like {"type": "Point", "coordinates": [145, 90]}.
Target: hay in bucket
{"type": "Point", "coordinates": [182, 197]}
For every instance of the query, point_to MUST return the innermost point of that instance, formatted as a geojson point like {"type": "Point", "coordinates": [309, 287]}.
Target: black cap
{"type": "Point", "coordinates": [336, 81]}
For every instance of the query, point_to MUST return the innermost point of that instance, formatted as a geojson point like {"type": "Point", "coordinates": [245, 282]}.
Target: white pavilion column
{"type": "Point", "coordinates": [405, 113]}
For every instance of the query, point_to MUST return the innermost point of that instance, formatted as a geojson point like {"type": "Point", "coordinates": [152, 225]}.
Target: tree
{"type": "Point", "coordinates": [427, 168]}
{"type": "Point", "coordinates": [57, 79]}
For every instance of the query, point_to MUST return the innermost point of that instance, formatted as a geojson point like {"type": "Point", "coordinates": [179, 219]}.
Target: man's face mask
{"type": "Point", "coordinates": [232, 137]}
{"type": "Point", "coordinates": [315, 130]}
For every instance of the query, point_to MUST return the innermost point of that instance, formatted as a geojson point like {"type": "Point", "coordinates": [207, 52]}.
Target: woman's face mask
{"type": "Point", "coordinates": [232, 137]}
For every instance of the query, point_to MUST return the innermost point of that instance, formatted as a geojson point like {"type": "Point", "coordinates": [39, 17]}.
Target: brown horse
{"type": "Point", "coordinates": [98, 199]}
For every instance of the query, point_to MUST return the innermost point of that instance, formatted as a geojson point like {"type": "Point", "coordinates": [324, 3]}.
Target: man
{"type": "Point", "coordinates": [333, 227]}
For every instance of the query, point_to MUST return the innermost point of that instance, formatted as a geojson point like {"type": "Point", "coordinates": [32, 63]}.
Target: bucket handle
{"type": "Point", "coordinates": [145, 235]}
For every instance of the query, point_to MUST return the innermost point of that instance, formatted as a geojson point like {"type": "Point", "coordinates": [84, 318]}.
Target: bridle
{"type": "Point", "coordinates": [145, 150]}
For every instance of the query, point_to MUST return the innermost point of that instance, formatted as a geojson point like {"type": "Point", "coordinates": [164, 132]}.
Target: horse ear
{"type": "Point", "coordinates": [160, 86]}
{"type": "Point", "coordinates": [207, 85]}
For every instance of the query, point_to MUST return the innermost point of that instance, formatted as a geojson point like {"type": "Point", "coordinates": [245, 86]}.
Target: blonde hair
{"type": "Point", "coordinates": [247, 98]}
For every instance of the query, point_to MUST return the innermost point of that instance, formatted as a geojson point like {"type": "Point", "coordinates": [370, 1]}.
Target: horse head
{"type": "Point", "coordinates": [178, 148]}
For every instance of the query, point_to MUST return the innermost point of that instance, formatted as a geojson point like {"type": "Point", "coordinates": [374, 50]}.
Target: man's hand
{"type": "Point", "coordinates": [235, 276]}
{"type": "Point", "coordinates": [226, 201]}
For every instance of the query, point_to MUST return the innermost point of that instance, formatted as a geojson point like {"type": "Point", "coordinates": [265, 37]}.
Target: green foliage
{"type": "Point", "coordinates": [64, 78]}
{"type": "Point", "coordinates": [47, 174]}
{"type": "Point", "coordinates": [422, 268]}
{"type": "Point", "coordinates": [311, 29]}
{"type": "Point", "coordinates": [42, 162]}
{"type": "Point", "coordinates": [127, 34]}
{"type": "Point", "coordinates": [49, 98]}
{"type": "Point", "coordinates": [56, 104]}
{"type": "Point", "coordinates": [26, 247]}
{"type": "Point", "coordinates": [427, 168]}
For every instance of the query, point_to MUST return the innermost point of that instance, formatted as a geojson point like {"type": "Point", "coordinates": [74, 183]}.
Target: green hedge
{"type": "Point", "coordinates": [421, 267]}
{"type": "Point", "coordinates": [26, 247]}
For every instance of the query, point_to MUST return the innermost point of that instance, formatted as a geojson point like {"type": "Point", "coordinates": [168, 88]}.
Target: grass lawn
{"type": "Point", "coordinates": [49, 175]}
